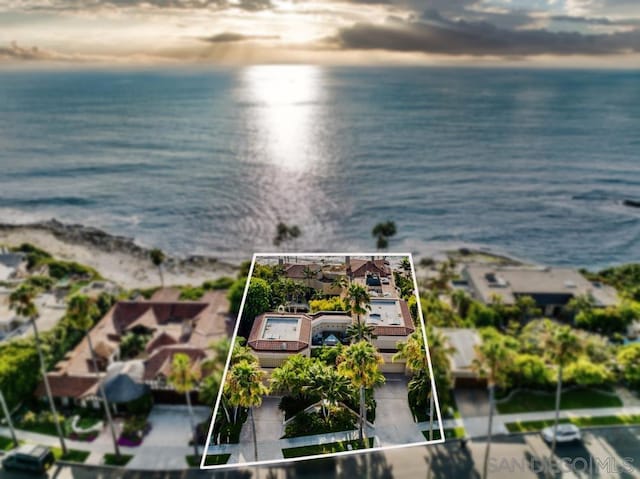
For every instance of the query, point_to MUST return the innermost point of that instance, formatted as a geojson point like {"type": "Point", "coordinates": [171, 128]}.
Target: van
{"type": "Point", "coordinates": [29, 458]}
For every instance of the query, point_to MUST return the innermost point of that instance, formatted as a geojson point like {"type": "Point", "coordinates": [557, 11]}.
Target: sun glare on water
{"type": "Point", "coordinates": [285, 114]}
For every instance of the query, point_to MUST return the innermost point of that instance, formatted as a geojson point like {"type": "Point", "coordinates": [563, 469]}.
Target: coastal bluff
{"type": "Point", "coordinates": [118, 258]}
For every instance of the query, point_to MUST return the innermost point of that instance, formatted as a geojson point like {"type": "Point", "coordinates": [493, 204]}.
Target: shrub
{"type": "Point", "coordinates": [585, 373]}
{"type": "Point", "coordinates": [331, 304]}
{"type": "Point", "coordinates": [223, 282]}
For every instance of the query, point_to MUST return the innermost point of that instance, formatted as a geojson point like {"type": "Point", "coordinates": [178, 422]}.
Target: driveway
{"type": "Point", "coordinates": [472, 402]}
{"type": "Point", "coordinates": [394, 423]}
{"type": "Point", "coordinates": [167, 444]}
{"type": "Point", "coordinates": [268, 419]}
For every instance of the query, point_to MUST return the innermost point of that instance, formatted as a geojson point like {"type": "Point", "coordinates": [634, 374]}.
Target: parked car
{"type": "Point", "coordinates": [566, 433]}
{"type": "Point", "coordinates": [29, 458]}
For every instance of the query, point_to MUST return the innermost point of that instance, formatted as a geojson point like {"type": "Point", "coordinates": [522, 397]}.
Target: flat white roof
{"type": "Point", "coordinates": [384, 312]}
{"type": "Point", "coordinates": [285, 329]}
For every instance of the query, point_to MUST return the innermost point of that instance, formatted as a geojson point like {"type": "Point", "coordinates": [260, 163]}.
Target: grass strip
{"type": "Point", "coordinates": [329, 448]}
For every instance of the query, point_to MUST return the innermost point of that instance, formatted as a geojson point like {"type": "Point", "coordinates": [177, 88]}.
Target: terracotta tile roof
{"type": "Point", "coordinates": [297, 271]}
{"type": "Point", "coordinates": [210, 321]}
{"type": "Point", "coordinates": [260, 344]}
{"type": "Point", "coordinates": [160, 361]}
{"type": "Point", "coordinates": [69, 386]}
{"type": "Point", "coordinates": [359, 267]}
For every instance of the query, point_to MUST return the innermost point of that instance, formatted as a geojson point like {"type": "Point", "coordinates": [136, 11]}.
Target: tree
{"type": "Point", "coordinates": [285, 233]}
{"type": "Point", "coordinates": [292, 377]}
{"type": "Point", "coordinates": [585, 373]}
{"type": "Point", "coordinates": [329, 385]}
{"type": "Point", "coordinates": [527, 308]}
{"type": "Point", "coordinates": [382, 232]}
{"type": "Point", "coordinates": [629, 360]}
{"type": "Point", "coordinates": [491, 362]}
{"type": "Point", "coordinates": [359, 330]}
{"type": "Point", "coordinates": [157, 258]}
{"type": "Point", "coordinates": [359, 301]}
{"type": "Point", "coordinates": [562, 346]}
{"type": "Point", "coordinates": [81, 310]}
{"type": "Point", "coordinates": [360, 362]}
{"type": "Point", "coordinates": [245, 388]}
{"type": "Point", "coordinates": [405, 264]}
{"type": "Point", "coordinates": [21, 300]}
{"type": "Point", "coordinates": [183, 377]}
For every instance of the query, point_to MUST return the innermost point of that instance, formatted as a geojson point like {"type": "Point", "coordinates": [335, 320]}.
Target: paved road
{"type": "Point", "coordinates": [605, 453]}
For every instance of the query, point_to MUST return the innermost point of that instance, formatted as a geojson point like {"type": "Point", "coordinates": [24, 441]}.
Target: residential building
{"type": "Point", "coordinates": [164, 325]}
{"type": "Point", "coordinates": [464, 342]}
{"type": "Point", "coordinates": [551, 288]}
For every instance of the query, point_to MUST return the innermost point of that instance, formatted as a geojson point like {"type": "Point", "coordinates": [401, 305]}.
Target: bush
{"type": "Point", "coordinates": [585, 373]}
{"type": "Point", "coordinates": [305, 424]}
{"type": "Point", "coordinates": [529, 370]}
{"type": "Point", "coordinates": [331, 304]}
{"type": "Point", "coordinates": [628, 358]}
{"type": "Point", "coordinates": [221, 283]}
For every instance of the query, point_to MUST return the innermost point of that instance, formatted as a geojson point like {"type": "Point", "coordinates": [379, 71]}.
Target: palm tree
{"type": "Point", "coordinates": [293, 376]}
{"type": "Point", "coordinates": [81, 310]}
{"type": "Point", "coordinates": [21, 301]}
{"type": "Point", "coordinates": [405, 264]}
{"type": "Point", "coordinates": [360, 330]}
{"type": "Point", "coordinates": [341, 283]}
{"type": "Point", "coordinates": [245, 388]}
{"type": "Point", "coordinates": [492, 358]}
{"type": "Point", "coordinates": [382, 232]}
{"type": "Point", "coordinates": [562, 346]}
{"type": "Point", "coordinates": [360, 362]}
{"type": "Point", "coordinates": [358, 300]}
{"type": "Point", "coordinates": [157, 258]}
{"type": "Point", "coordinates": [331, 386]}
{"type": "Point", "coordinates": [183, 378]}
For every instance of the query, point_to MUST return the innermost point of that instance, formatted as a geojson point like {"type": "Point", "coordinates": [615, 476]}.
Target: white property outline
{"type": "Point", "coordinates": [332, 454]}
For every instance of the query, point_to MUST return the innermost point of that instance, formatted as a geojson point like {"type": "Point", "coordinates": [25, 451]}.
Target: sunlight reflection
{"type": "Point", "coordinates": [285, 113]}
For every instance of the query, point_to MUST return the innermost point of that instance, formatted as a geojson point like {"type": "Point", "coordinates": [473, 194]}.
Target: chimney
{"type": "Point", "coordinates": [347, 260]}
{"type": "Point", "coordinates": [280, 261]}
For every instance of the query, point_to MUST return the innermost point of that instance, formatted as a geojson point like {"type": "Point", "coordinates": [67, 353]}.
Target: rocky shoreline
{"type": "Point", "coordinates": [92, 237]}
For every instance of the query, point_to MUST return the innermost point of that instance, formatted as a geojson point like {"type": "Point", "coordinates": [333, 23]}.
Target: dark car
{"type": "Point", "coordinates": [29, 458]}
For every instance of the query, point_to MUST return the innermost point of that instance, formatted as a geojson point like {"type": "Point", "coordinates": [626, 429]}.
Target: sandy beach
{"type": "Point", "coordinates": [116, 258]}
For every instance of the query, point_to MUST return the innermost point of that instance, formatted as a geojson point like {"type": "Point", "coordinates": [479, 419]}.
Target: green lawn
{"type": "Point", "coordinates": [210, 460]}
{"type": "Point", "coordinates": [620, 420]}
{"type": "Point", "coordinates": [72, 455]}
{"type": "Point", "coordinates": [6, 443]}
{"type": "Point", "coordinates": [452, 433]}
{"type": "Point", "coordinates": [323, 448]}
{"type": "Point", "coordinates": [113, 460]}
{"type": "Point", "coordinates": [524, 401]}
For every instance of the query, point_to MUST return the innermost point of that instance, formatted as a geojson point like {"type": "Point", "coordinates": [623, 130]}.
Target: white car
{"type": "Point", "coordinates": [566, 433]}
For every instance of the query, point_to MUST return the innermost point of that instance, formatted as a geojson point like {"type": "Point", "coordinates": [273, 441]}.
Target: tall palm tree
{"type": "Point", "coordinates": [80, 310]}
{"type": "Point", "coordinates": [562, 346]}
{"type": "Point", "coordinates": [21, 301]}
{"type": "Point", "coordinates": [245, 388]}
{"type": "Point", "coordinates": [331, 386]}
{"type": "Point", "coordinates": [492, 358]}
{"type": "Point", "coordinates": [360, 362]}
{"type": "Point", "coordinates": [183, 377]}
{"type": "Point", "coordinates": [340, 282]}
{"type": "Point", "coordinates": [358, 300]}
{"type": "Point", "coordinates": [157, 258]}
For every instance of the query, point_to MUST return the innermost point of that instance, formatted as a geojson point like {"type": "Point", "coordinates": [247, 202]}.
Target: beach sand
{"type": "Point", "coordinates": [116, 259]}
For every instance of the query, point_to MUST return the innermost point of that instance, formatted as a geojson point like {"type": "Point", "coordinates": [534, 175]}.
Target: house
{"type": "Point", "coordinates": [464, 342]}
{"type": "Point", "coordinates": [11, 263]}
{"type": "Point", "coordinates": [166, 328]}
{"type": "Point", "coordinates": [360, 267]}
{"type": "Point", "coordinates": [551, 288]}
{"type": "Point", "coordinates": [275, 336]}
{"type": "Point", "coordinates": [318, 277]}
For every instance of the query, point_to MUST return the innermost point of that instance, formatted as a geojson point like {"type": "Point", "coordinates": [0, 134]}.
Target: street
{"type": "Point", "coordinates": [604, 453]}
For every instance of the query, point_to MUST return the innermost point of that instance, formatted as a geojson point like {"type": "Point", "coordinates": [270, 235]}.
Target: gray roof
{"type": "Point", "coordinates": [510, 282]}
{"type": "Point", "coordinates": [463, 340]}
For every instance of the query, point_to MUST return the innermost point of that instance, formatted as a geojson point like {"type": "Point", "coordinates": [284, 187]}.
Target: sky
{"type": "Point", "coordinates": [550, 33]}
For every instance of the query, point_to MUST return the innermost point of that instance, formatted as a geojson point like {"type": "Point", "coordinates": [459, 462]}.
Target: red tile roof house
{"type": "Point", "coordinates": [276, 336]}
{"type": "Point", "coordinates": [174, 326]}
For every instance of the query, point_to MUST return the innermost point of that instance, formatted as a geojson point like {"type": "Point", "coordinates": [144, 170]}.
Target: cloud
{"type": "Point", "coordinates": [92, 5]}
{"type": "Point", "coordinates": [433, 33]}
{"type": "Point", "coordinates": [230, 37]}
{"type": "Point", "coordinates": [14, 52]}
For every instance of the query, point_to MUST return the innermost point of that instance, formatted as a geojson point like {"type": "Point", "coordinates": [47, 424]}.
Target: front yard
{"type": "Point", "coordinates": [620, 420]}
{"type": "Point", "coordinates": [329, 448]}
{"type": "Point", "coordinates": [527, 401]}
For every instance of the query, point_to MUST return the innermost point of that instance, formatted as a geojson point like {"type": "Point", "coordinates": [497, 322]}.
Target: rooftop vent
{"type": "Point", "coordinates": [569, 284]}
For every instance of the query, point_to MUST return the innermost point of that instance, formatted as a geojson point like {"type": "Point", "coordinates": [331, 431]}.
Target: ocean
{"type": "Point", "coordinates": [535, 163]}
